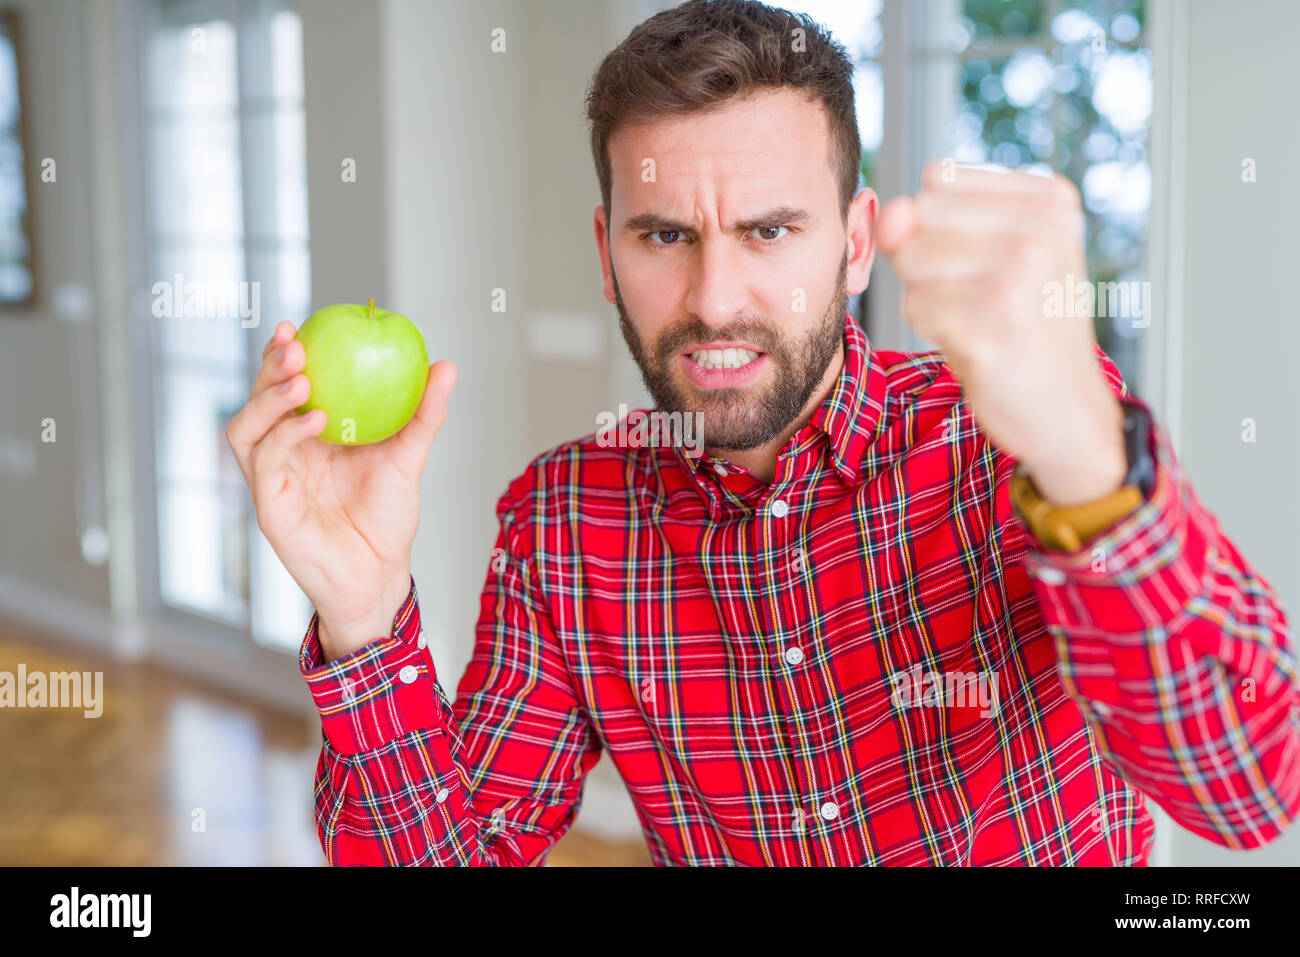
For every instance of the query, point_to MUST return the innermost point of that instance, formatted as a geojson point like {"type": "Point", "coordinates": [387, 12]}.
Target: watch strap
{"type": "Point", "coordinates": [1137, 446]}
{"type": "Point", "coordinates": [1067, 528]}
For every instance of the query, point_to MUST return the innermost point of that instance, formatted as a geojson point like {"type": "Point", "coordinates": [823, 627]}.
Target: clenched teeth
{"type": "Point", "coordinates": [723, 358]}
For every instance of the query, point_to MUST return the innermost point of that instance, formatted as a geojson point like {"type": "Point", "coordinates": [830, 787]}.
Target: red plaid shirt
{"type": "Point", "coordinates": [789, 673]}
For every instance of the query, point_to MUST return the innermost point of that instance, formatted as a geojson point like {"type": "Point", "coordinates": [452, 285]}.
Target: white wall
{"type": "Point", "coordinates": [1241, 342]}
{"type": "Point", "coordinates": [48, 364]}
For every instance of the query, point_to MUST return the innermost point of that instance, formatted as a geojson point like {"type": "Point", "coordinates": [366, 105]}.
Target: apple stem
{"type": "Point", "coordinates": [371, 308]}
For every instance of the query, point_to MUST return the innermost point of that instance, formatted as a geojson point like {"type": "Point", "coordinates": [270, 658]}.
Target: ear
{"type": "Point", "coordinates": [860, 240]}
{"type": "Point", "coordinates": [600, 226]}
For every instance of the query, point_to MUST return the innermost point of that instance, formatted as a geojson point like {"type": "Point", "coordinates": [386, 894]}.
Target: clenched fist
{"type": "Point", "coordinates": [979, 252]}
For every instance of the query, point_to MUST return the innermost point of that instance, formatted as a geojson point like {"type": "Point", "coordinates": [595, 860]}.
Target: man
{"type": "Point", "coordinates": [955, 607]}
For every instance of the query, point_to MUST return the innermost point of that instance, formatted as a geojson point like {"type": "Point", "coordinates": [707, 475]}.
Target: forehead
{"type": "Point", "coordinates": [745, 148]}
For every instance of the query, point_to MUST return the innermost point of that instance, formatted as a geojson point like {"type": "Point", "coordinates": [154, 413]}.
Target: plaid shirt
{"type": "Point", "coordinates": [867, 661]}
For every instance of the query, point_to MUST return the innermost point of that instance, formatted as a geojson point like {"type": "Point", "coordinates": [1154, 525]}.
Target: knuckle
{"type": "Point", "coordinates": [277, 400]}
{"type": "Point", "coordinates": [1064, 194]}
{"type": "Point", "coordinates": [269, 375]}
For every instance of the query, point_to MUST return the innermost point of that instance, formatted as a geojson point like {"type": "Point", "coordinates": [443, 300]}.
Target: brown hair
{"type": "Point", "coordinates": [702, 53]}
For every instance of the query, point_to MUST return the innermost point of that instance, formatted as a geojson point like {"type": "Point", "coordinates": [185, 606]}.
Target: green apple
{"type": "Point", "coordinates": [368, 368]}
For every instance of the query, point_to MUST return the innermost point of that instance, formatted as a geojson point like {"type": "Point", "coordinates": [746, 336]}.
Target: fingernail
{"type": "Point", "coordinates": [286, 386]}
{"type": "Point", "coordinates": [279, 356]}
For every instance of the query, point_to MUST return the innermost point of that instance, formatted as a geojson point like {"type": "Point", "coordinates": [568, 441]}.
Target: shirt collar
{"type": "Point", "coordinates": [849, 418]}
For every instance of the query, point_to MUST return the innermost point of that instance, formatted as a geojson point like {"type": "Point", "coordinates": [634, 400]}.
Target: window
{"type": "Point", "coordinates": [1059, 84]}
{"type": "Point", "coordinates": [228, 241]}
{"type": "Point", "coordinates": [1067, 84]}
{"type": "Point", "coordinates": [17, 282]}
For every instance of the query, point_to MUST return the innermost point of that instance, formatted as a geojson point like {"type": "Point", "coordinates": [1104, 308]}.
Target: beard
{"type": "Point", "coordinates": [738, 419]}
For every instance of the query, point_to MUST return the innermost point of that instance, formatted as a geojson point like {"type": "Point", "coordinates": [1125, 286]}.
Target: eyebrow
{"type": "Point", "coordinates": [777, 216]}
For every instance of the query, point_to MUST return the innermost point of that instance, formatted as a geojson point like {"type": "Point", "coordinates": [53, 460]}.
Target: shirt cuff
{"type": "Point", "coordinates": [380, 691]}
{"type": "Point", "coordinates": [1135, 576]}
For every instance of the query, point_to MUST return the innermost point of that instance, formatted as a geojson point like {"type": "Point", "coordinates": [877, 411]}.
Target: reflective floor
{"type": "Point", "coordinates": [170, 773]}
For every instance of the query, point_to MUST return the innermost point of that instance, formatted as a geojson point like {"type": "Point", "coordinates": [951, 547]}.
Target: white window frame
{"type": "Point", "coordinates": [187, 642]}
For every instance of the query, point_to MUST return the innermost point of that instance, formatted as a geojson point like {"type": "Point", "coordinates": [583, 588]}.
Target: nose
{"type": "Point", "coordinates": [717, 290]}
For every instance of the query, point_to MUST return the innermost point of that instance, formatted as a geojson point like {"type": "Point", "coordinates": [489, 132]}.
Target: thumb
{"type": "Point", "coordinates": [416, 437]}
{"type": "Point", "coordinates": [895, 224]}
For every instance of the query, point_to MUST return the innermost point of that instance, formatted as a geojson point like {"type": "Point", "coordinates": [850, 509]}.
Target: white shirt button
{"type": "Point", "coordinates": [423, 642]}
{"type": "Point", "coordinates": [794, 655]}
{"type": "Point", "coordinates": [1049, 575]}
{"type": "Point", "coordinates": [1101, 708]}
{"type": "Point", "coordinates": [798, 825]}
{"type": "Point", "coordinates": [779, 508]}
{"type": "Point", "coordinates": [408, 674]}
{"type": "Point", "coordinates": [830, 810]}
{"type": "Point", "coordinates": [719, 468]}
{"type": "Point", "coordinates": [442, 795]}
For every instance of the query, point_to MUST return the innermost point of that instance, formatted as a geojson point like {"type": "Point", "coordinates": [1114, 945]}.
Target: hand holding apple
{"type": "Point", "coordinates": [341, 517]}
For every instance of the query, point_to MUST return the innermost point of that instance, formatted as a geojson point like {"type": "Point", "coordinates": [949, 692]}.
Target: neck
{"type": "Point", "coordinates": [761, 462]}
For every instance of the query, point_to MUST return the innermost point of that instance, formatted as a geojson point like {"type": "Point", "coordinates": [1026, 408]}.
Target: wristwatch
{"type": "Point", "coordinates": [1066, 528]}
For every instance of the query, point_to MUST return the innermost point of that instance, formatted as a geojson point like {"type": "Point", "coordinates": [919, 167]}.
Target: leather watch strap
{"type": "Point", "coordinates": [1067, 528]}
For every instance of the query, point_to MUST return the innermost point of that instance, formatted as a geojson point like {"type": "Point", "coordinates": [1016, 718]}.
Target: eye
{"type": "Point", "coordinates": [676, 234]}
{"type": "Point", "coordinates": [765, 230]}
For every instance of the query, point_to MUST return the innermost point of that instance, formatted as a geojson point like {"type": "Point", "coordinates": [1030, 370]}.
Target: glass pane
{"type": "Point", "coordinates": [281, 611]}
{"type": "Point", "coordinates": [286, 55]}
{"type": "Point", "coordinates": [295, 285]}
{"type": "Point", "coordinates": [194, 409]}
{"type": "Point", "coordinates": [16, 275]}
{"type": "Point", "coordinates": [1123, 18]}
{"type": "Point", "coordinates": [198, 304]}
{"type": "Point", "coordinates": [1005, 111]}
{"type": "Point", "coordinates": [1081, 105]}
{"type": "Point", "coordinates": [987, 20]}
{"type": "Point", "coordinates": [230, 246]}
{"type": "Point", "coordinates": [857, 27]}
{"type": "Point", "coordinates": [197, 183]}
{"type": "Point", "coordinates": [291, 174]}
{"type": "Point", "coordinates": [203, 550]}
{"type": "Point", "coordinates": [197, 69]}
